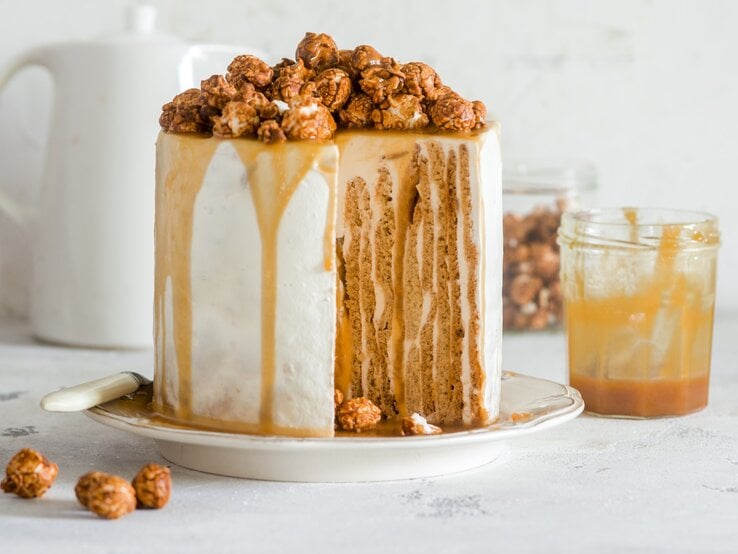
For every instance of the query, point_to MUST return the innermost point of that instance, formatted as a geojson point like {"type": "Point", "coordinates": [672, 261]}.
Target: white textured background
{"type": "Point", "coordinates": [647, 90]}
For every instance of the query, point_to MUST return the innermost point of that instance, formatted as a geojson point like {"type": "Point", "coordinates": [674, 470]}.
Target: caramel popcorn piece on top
{"type": "Point", "coordinates": [249, 69]}
{"type": "Point", "coordinates": [238, 119]}
{"type": "Point", "coordinates": [182, 114]}
{"type": "Point", "coordinates": [381, 80]}
{"type": "Point", "coordinates": [416, 424]}
{"type": "Point", "coordinates": [452, 113]}
{"type": "Point", "coordinates": [480, 114]}
{"type": "Point", "coordinates": [108, 496]}
{"type": "Point", "coordinates": [421, 80]}
{"type": "Point", "coordinates": [344, 62]}
{"type": "Point", "coordinates": [357, 112]}
{"type": "Point", "coordinates": [360, 86]}
{"type": "Point", "coordinates": [217, 92]}
{"type": "Point", "coordinates": [290, 81]}
{"type": "Point", "coordinates": [400, 111]}
{"type": "Point", "coordinates": [358, 414]}
{"type": "Point", "coordinates": [333, 87]}
{"type": "Point", "coordinates": [363, 56]}
{"type": "Point", "coordinates": [153, 486]}
{"type": "Point", "coordinates": [29, 474]}
{"type": "Point", "coordinates": [270, 132]}
{"type": "Point", "coordinates": [307, 118]}
{"type": "Point", "coordinates": [317, 51]}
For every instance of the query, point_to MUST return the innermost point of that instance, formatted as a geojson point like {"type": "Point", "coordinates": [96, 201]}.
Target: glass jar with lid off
{"type": "Point", "coordinates": [534, 195]}
{"type": "Point", "coordinates": [639, 296]}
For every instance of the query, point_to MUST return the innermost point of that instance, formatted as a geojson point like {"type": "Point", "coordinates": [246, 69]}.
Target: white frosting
{"type": "Point", "coordinates": [489, 179]}
{"type": "Point", "coordinates": [226, 292]}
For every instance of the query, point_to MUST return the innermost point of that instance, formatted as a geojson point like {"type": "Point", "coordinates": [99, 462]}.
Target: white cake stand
{"type": "Point", "coordinates": [528, 404]}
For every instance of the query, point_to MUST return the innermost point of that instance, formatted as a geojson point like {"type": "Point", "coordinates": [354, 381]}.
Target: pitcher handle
{"type": "Point", "coordinates": [15, 211]}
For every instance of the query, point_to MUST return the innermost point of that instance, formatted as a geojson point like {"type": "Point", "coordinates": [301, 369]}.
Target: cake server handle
{"type": "Point", "coordinates": [86, 395]}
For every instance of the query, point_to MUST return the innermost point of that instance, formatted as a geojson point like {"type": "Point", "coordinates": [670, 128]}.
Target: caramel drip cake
{"type": "Point", "coordinates": [328, 249]}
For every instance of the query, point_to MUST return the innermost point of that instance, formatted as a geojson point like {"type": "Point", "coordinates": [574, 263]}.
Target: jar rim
{"type": "Point", "coordinates": [640, 227]}
{"type": "Point", "coordinates": [615, 216]}
{"type": "Point", "coordinates": [541, 177]}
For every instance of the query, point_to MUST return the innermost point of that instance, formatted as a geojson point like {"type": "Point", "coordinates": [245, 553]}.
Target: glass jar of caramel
{"type": "Point", "coordinates": [639, 295]}
{"type": "Point", "coordinates": [534, 195]}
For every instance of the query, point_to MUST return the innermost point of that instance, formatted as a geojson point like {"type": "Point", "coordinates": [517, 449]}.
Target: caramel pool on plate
{"type": "Point", "coordinates": [639, 288]}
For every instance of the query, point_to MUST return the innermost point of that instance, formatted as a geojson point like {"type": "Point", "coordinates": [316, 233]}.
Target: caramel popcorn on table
{"type": "Point", "coordinates": [108, 496]}
{"type": "Point", "coordinates": [317, 51]}
{"type": "Point", "coordinates": [416, 424]}
{"type": "Point", "coordinates": [153, 486]}
{"type": "Point", "coordinates": [358, 414]}
{"type": "Point", "coordinates": [355, 88]}
{"type": "Point", "coordinates": [249, 69]}
{"type": "Point", "coordinates": [29, 474]}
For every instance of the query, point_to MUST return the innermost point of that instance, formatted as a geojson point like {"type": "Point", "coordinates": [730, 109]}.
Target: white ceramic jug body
{"type": "Point", "coordinates": [92, 235]}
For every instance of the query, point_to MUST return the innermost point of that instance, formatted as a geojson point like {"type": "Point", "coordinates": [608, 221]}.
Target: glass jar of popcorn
{"type": "Point", "coordinates": [534, 197]}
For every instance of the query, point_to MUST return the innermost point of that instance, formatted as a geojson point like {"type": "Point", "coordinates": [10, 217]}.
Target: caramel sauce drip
{"type": "Point", "coordinates": [175, 203]}
{"type": "Point", "coordinates": [274, 173]}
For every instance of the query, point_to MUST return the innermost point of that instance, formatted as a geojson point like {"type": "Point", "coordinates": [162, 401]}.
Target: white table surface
{"type": "Point", "coordinates": [591, 485]}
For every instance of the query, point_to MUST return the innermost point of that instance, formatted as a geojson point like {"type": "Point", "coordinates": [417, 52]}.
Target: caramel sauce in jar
{"type": "Point", "coordinates": [639, 289]}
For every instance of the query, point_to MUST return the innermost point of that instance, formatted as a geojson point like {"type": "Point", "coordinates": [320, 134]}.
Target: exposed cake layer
{"type": "Point", "coordinates": [419, 244]}
{"type": "Point", "coordinates": [245, 284]}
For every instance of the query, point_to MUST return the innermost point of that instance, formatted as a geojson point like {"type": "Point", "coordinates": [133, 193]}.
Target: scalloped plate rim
{"type": "Point", "coordinates": [493, 432]}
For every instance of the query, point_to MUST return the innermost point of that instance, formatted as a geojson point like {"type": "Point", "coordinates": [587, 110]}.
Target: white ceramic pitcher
{"type": "Point", "coordinates": [92, 227]}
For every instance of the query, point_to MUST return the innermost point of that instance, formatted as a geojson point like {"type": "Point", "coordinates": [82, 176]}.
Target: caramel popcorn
{"type": "Point", "coordinates": [416, 424]}
{"type": "Point", "coordinates": [317, 52]}
{"type": "Point", "coordinates": [480, 114]}
{"type": "Point", "coordinates": [182, 114]}
{"type": "Point", "coordinates": [270, 132]}
{"type": "Point", "coordinates": [307, 118]}
{"type": "Point", "coordinates": [363, 56]}
{"type": "Point", "coordinates": [421, 80]}
{"type": "Point", "coordinates": [358, 111]}
{"type": "Point", "coordinates": [249, 69]}
{"type": "Point", "coordinates": [358, 414]}
{"type": "Point", "coordinates": [153, 486]}
{"type": "Point", "coordinates": [290, 81]}
{"type": "Point", "coordinates": [217, 92]}
{"type": "Point", "coordinates": [453, 113]}
{"type": "Point", "coordinates": [381, 80]}
{"type": "Point", "coordinates": [357, 88]}
{"type": "Point", "coordinates": [333, 87]}
{"type": "Point", "coordinates": [400, 111]}
{"type": "Point", "coordinates": [344, 62]}
{"type": "Point", "coordinates": [29, 474]}
{"type": "Point", "coordinates": [531, 289]}
{"type": "Point", "coordinates": [238, 119]}
{"type": "Point", "coordinates": [337, 399]}
{"type": "Point", "coordinates": [108, 496]}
